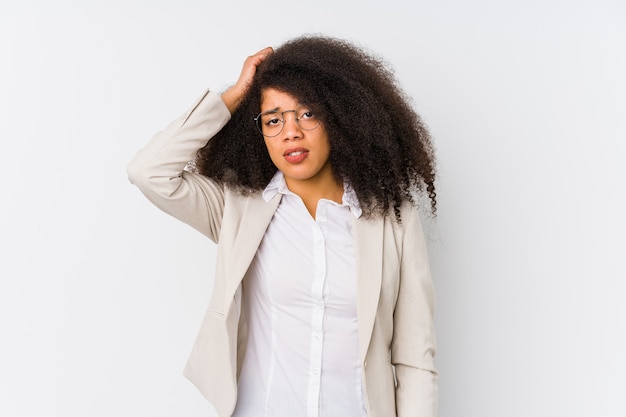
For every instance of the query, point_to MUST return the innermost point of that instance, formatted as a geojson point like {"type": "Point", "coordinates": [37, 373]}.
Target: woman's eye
{"type": "Point", "coordinates": [273, 121]}
{"type": "Point", "coordinates": [307, 115]}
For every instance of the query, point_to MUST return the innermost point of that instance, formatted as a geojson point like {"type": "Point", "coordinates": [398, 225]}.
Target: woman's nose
{"type": "Point", "coordinates": [291, 127]}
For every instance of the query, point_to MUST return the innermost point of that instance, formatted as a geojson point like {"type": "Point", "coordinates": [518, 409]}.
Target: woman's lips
{"type": "Point", "coordinates": [296, 155]}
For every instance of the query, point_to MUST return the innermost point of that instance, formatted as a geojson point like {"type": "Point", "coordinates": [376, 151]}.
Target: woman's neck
{"type": "Point", "coordinates": [313, 190]}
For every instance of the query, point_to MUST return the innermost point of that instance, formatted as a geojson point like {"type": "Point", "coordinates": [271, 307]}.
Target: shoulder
{"type": "Point", "coordinates": [409, 231]}
{"type": "Point", "coordinates": [409, 216]}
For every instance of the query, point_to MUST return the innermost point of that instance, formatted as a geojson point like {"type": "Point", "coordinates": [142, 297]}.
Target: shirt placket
{"type": "Point", "coordinates": [317, 312]}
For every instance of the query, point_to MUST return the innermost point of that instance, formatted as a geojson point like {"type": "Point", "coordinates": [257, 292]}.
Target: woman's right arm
{"type": "Point", "coordinates": [158, 168]}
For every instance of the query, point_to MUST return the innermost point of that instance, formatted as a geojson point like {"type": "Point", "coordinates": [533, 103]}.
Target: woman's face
{"type": "Point", "coordinates": [301, 155]}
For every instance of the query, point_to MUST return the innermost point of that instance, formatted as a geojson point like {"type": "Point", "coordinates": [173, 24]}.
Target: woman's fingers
{"type": "Point", "coordinates": [250, 65]}
{"type": "Point", "coordinates": [232, 97]}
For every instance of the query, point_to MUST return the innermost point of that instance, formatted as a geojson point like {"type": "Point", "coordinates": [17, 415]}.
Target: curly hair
{"type": "Point", "coordinates": [378, 143]}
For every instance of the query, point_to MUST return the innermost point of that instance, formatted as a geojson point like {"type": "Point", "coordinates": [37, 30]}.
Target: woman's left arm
{"type": "Point", "coordinates": [413, 347]}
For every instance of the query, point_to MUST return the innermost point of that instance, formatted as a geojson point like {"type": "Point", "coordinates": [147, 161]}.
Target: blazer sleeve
{"type": "Point", "coordinates": [413, 347]}
{"type": "Point", "coordinates": [158, 169]}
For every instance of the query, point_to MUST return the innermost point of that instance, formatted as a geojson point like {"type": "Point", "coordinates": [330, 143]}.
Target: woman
{"type": "Point", "coordinates": [306, 172]}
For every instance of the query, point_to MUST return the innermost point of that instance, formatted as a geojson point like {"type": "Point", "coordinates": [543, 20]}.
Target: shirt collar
{"type": "Point", "coordinates": [278, 185]}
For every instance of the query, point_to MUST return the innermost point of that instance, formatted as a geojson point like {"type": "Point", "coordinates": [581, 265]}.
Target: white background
{"type": "Point", "coordinates": [101, 294]}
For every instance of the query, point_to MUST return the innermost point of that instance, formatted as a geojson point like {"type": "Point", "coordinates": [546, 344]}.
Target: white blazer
{"type": "Point", "coordinates": [395, 295]}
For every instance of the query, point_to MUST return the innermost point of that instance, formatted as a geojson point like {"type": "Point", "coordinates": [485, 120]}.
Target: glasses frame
{"type": "Point", "coordinates": [257, 120]}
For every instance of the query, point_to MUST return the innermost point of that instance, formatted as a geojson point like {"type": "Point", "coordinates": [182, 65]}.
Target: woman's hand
{"type": "Point", "coordinates": [232, 97]}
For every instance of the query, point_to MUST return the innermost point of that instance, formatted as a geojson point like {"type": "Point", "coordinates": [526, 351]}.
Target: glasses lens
{"type": "Point", "coordinates": [306, 118]}
{"type": "Point", "coordinates": [270, 123]}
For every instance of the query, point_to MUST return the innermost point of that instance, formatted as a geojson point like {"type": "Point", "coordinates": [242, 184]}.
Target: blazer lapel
{"type": "Point", "coordinates": [368, 235]}
{"type": "Point", "coordinates": [255, 219]}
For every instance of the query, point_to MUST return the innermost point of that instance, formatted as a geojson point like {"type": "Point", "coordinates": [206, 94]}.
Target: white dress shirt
{"type": "Point", "coordinates": [302, 357]}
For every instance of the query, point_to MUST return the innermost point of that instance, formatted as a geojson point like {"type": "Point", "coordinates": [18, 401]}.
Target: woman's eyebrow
{"type": "Point", "coordinates": [274, 110]}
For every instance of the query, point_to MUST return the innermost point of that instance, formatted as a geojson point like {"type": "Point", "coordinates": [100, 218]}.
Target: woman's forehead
{"type": "Point", "coordinates": [272, 98]}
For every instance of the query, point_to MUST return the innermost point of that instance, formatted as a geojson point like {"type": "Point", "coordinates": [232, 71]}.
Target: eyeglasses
{"type": "Point", "coordinates": [270, 123]}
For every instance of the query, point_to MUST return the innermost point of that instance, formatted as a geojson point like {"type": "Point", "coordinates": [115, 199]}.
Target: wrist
{"type": "Point", "coordinates": [232, 97]}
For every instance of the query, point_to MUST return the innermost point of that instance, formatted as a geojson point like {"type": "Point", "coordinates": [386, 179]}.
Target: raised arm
{"type": "Point", "coordinates": [158, 169]}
